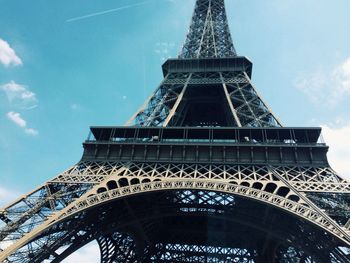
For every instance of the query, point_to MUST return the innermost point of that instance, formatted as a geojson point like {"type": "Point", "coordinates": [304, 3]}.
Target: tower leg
{"type": "Point", "coordinates": [118, 248]}
{"type": "Point", "coordinates": [267, 253]}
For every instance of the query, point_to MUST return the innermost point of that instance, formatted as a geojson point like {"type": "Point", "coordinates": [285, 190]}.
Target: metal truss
{"type": "Point", "coordinates": [306, 210]}
{"type": "Point", "coordinates": [251, 110]}
{"type": "Point", "coordinates": [336, 205]}
{"type": "Point", "coordinates": [117, 248]}
{"type": "Point", "coordinates": [302, 178]}
{"type": "Point", "coordinates": [195, 253]}
{"type": "Point", "coordinates": [209, 34]}
{"type": "Point", "coordinates": [70, 192]}
{"type": "Point", "coordinates": [31, 210]}
{"type": "Point", "coordinates": [159, 105]}
{"type": "Point", "coordinates": [101, 194]}
{"type": "Point", "coordinates": [186, 252]}
{"type": "Point", "coordinates": [120, 248]}
{"type": "Point", "coordinates": [246, 106]}
{"type": "Point", "coordinates": [159, 211]}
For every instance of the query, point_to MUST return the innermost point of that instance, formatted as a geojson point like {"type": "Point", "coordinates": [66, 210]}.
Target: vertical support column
{"type": "Point", "coordinates": [233, 111]}
{"type": "Point", "coordinates": [278, 122]}
{"type": "Point", "coordinates": [179, 99]}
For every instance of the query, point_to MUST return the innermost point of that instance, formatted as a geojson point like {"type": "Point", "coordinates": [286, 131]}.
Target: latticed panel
{"type": "Point", "coordinates": [117, 248]}
{"type": "Point", "coordinates": [313, 194]}
{"type": "Point", "coordinates": [193, 253]}
{"type": "Point", "coordinates": [259, 182]}
{"type": "Point", "coordinates": [251, 110]}
{"type": "Point", "coordinates": [337, 205]}
{"type": "Point", "coordinates": [157, 108]}
{"type": "Point", "coordinates": [303, 178]}
{"type": "Point", "coordinates": [32, 210]}
{"type": "Point", "coordinates": [209, 34]}
{"type": "Point", "coordinates": [244, 106]}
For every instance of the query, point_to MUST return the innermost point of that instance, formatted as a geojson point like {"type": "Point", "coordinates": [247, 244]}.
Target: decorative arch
{"type": "Point", "coordinates": [96, 197]}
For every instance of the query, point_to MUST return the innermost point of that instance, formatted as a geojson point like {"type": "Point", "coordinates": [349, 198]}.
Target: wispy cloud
{"type": "Point", "coordinates": [164, 49]}
{"type": "Point", "coordinates": [7, 195]}
{"type": "Point", "coordinates": [17, 119]}
{"type": "Point", "coordinates": [328, 88]}
{"type": "Point", "coordinates": [74, 106]}
{"type": "Point", "coordinates": [105, 12]}
{"type": "Point", "coordinates": [31, 131]}
{"type": "Point", "coordinates": [8, 56]}
{"type": "Point", "coordinates": [337, 137]}
{"type": "Point", "coordinates": [19, 95]}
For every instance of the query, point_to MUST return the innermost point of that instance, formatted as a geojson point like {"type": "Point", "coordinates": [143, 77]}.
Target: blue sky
{"type": "Point", "coordinates": [58, 76]}
{"type": "Point", "coordinates": [99, 70]}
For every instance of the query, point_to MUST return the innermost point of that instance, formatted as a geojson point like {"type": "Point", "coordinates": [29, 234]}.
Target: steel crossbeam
{"type": "Point", "coordinates": [205, 172]}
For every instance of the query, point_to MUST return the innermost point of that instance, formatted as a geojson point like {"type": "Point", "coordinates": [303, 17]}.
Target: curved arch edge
{"type": "Point", "coordinates": [91, 200]}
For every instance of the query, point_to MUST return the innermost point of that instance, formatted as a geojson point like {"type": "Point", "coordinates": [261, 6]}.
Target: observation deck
{"type": "Point", "coordinates": [297, 146]}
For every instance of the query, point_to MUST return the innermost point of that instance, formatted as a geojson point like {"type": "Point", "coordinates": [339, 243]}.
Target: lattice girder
{"type": "Point", "coordinates": [57, 235]}
{"type": "Point", "coordinates": [159, 198]}
{"type": "Point", "coordinates": [117, 248]}
{"type": "Point", "coordinates": [100, 194]}
{"type": "Point", "coordinates": [158, 106]}
{"type": "Point", "coordinates": [209, 34]}
{"type": "Point", "coordinates": [167, 106]}
{"type": "Point", "coordinates": [303, 178]}
{"type": "Point", "coordinates": [312, 179]}
{"type": "Point", "coordinates": [30, 211]}
{"type": "Point", "coordinates": [193, 253]}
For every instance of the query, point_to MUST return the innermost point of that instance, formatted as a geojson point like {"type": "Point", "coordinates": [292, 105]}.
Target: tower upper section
{"type": "Point", "coordinates": [209, 35]}
{"type": "Point", "coordinates": [208, 85]}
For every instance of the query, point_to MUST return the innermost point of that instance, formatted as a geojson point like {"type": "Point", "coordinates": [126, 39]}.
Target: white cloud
{"type": "Point", "coordinates": [7, 196]}
{"type": "Point", "coordinates": [19, 95]}
{"type": "Point", "coordinates": [339, 152]}
{"type": "Point", "coordinates": [31, 131]}
{"type": "Point", "coordinates": [74, 106]}
{"type": "Point", "coordinates": [16, 118]}
{"type": "Point", "coordinates": [164, 49]}
{"type": "Point", "coordinates": [8, 56]}
{"type": "Point", "coordinates": [327, 88]}
{"type": "Point", "coordinates": [87, 254]}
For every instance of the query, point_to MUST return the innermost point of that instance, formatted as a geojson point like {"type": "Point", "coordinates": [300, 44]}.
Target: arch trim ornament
{"type": "Point", "coordinates": [93, 198]}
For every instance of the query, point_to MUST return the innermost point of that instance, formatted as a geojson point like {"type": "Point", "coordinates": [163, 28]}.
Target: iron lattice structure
{"type": "Point", "coordinates": [203, 172]}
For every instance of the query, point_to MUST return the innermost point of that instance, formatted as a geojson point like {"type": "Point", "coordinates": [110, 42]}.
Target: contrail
{"type": "Point", "coordinates": [106, 12]}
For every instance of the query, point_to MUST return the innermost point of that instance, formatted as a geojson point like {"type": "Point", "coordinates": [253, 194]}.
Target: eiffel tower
{"type": "Point", "coordinates": [203, 172]}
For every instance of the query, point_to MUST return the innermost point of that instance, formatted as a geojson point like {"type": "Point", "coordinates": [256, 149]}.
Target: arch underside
{"type": "Point", "coordinates": [191, 226]}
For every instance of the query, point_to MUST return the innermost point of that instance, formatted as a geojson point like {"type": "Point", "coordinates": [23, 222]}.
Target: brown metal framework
{"type": "Point", "coordinates": [203, 172]}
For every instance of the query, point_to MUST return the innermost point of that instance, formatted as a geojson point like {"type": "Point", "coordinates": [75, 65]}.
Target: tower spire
{"type": "Point", "coordinates": [209, 35]}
